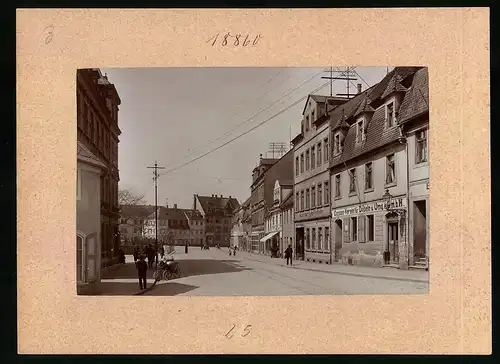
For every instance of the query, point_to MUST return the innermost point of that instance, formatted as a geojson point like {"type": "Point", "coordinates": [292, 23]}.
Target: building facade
{"type": "Point", "coordinates": [246, 223]}
{"type": "Point", "coordinates": [287, 223]}
{"type": "Point", "coordinates": [173, 227]}
{"type": "Point", "coordinates": [237, 234]}
{"type": "Point", "coordinates": [196, 227]}
{"type": "Point", "coordinates": [368, 160]}
{"type": "Point", "coordinates": [132, 224]}
{"type": "Point", "coordinates": [414, 120]}
{"type": "Point", "coordinates": [88, 222]}
{"type": "Point", "coordinates": [312, 180]}
{"type": "Point", "coordinates": [257, 202]}
{"type": "Point", "coordinates": [274, 220]}
{"type": "Point", "coordinates": [218, 213]}
{"type": "Point", "coordinates": [97, 120]}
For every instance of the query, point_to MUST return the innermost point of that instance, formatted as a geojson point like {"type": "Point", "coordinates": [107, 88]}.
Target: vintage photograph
{"type": "Point", "coordinates": [252, 181]}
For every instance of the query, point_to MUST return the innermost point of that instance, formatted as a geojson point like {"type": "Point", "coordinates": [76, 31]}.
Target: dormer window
{"type": "Point", "coordinates": [390, 115]}
{"type": "Point", "coordinates": [313, 118]}
{"type": "Point", "coordinates": [307, 123]}
{"type": "Point", "coordinates": [336, 147]}
{"type": "Point", "coordinates": [360, 131]}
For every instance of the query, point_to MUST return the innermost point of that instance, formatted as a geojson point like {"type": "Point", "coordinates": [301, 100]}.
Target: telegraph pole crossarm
{"type": "Point", "coordinates": [155, 178]}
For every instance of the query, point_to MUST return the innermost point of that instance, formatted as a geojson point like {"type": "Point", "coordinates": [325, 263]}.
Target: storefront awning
{"type": "Point", "coordinates": [268, 236]}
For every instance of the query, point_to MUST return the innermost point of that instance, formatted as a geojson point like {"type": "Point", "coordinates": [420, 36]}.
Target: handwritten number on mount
{"type": "Point", "coordinates": [244, 332]}
{"type": "Point", "coordinates": [50, 33]}
{"type": "Point", "coordinates": [238, 40]}
{"type": "Point", "coordinates": [229, 335]}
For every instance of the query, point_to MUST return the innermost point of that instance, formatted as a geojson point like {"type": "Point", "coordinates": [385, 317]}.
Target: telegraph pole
{"type": "Point", "coordinates": [155, 178]}
{"type": "Point", "coordinates": [344, 75]}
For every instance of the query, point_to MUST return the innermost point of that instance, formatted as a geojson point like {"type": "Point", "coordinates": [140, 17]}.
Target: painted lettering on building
{"type": "Point", "coordinates": [366, 208]}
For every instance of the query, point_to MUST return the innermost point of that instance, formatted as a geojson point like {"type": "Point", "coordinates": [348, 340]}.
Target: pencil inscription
{"type": "Point", "coordinates": [244, 332]}
{"type": "Point", "coordinates": [236, 40]}
{"type": "Point", "coordinates": [49, 31]}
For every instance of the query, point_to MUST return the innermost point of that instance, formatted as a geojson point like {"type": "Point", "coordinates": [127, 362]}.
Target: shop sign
{"type": "Point", "coordinates": [369, 207]}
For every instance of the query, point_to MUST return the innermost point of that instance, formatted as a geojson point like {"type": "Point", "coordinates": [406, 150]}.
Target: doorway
{"type": "Point", "coordinates": [299, 241]}
{"type": "Point", "coordinates": [420, 232]}
{"type": "Point", "coordinates": [393, 241]}
{"type": "Point", "coordinates": [338, 239]}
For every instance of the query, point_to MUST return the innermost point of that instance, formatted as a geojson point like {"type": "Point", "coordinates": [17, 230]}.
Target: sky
{"type": "Point", "coordinates": [175, 115]}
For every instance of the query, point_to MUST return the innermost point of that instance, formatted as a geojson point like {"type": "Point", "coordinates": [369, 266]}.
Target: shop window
{"type": "Point", "coordinates": [390, 170]}
{"type": "Point", "coordinates": [354, 228]}
{"type": "Point", "coordinates": [320, 238]}
{"type": "Point", "coordinates": [368, 176]}
{"type": "Point", "coordinates": [370, 228]}
{"type": "Point", "coordinates": [421, 146]}
{"type": "Point", "coordinates": [337, 186]}
{"type": "Point", "coordinates": [327, 239]}
{"type": "Point", "coordinates": [308, 239]}
{"type": "Point", "coordinates": [352, 180]}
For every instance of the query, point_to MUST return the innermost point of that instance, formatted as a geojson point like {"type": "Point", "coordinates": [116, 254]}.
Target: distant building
{"type": "Point", "coordinates": [312, 179]}
{"type": "Point", "coordinates": [246, 222]}
{"type": "Point", "coordinates": [196, 224]}
{"type": "Point", "coordinates": [273, 227]}
{"type": "Point", "coordinates": [173, 226]}
{"type": "Point", "coordinates": [218, 213]}
{"type": "Point", "coordinates": [88, 221]}
{"type": "Point", "coordinates": [237, 233]}
{"type": "Point", "coordinates": [369, 158]}
{"type": "Point", "coordinates": [132, 224]}
{"type": "Point", "coordinates": [97, 104]}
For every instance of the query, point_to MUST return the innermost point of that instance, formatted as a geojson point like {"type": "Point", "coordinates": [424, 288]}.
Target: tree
{"type": "Point", "coordinates": [128, 197]}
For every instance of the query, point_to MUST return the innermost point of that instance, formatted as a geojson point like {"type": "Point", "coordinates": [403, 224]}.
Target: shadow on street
{"type": "Point", "coordinates": [196, 267]}
{"type": "Point", "coordinates": [126, 271]}
{"type": "Point", "coordinates": [121, 288]}
{"type": "Point", "coordinates": [170, 289]}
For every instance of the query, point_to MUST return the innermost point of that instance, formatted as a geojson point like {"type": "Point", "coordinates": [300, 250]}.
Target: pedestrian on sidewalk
{"type": "Point", "coordinates": [151, 256]}
{"type": "Point", "coordinates": [142, 269]}
{"type": "Point", "coordinates": [288, 254]}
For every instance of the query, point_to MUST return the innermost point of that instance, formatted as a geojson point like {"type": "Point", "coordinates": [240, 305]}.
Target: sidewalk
{"type": "Point", "coordinates": [122, 280]}
{"type": "Point", "coordinates": [339, 268]}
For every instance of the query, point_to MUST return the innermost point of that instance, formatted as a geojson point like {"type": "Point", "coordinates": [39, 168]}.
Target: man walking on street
{"type": "Point", "coordinates": [288, 254]}
{"type": "Point", "coordinates": [142, 269]}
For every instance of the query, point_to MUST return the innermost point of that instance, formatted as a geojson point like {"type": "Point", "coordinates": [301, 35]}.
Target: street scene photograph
{"type": "Point", "coordinates": [252, 181]}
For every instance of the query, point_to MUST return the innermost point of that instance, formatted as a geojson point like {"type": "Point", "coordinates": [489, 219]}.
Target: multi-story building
{"type": "Point", "coordinates": [414, 120]}
{"type": "Point", "coordinates": [217, 212]}
{"type": "Point", "coordinates": [274, 223]}
{"type": "Point", "coordinates": [312, 179]}
{"type": "Point", "coordinates": [257, 201]}
{"type": "Point", "coordinates": [196, 227]}
{"type": "Point", "coordinates": [287, 223]}
{"type": "Point", "coordinates": [88, 221]}
{"type": "Point", "coordinates": [97, 119]}
{"type": "Point", "coordinates": [173, 226]}
{"type": "Point", "coordinates": [132, 223]}
{"type": "Point", "coordinates": [246, 222]}
{"type": "Point", "coordinates": [237, 234]}
{"type": "Point", "coordinates": [368, 160]}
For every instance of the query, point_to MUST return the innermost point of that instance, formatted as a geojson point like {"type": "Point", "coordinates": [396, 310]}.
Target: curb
{"type": "Point", "coordinates": [393, 278]}
{"type": "Point", "coordinates": [145, 290]}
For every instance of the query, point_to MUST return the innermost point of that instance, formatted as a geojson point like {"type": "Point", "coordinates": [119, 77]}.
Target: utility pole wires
{"type": "Point", "coordinates": [155, 178]}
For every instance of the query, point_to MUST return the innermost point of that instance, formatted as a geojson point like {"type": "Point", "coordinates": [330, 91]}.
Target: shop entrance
{"type": "Point", "coordinates": [420, 233]}
{"type": "Point", "coordinates": [338, 239]}
{"type": "Point", "coordinates": [299, 243]}
{"type": "Point", "coordinates": [393, 241]}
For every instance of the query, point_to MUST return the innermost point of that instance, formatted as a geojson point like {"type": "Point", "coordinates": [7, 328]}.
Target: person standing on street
{"type": "Point", "coordinates": [142, 269]}
{"type": "Point", "coordinates": [288, 254]}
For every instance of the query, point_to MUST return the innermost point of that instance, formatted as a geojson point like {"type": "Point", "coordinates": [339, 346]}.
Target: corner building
{"type": "Point", "coordinates": [369, 158]}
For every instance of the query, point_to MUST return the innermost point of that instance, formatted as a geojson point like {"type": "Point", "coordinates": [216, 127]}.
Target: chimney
{"type": "Point", "coordinates": [166, 206]}
{"type": "Point", "coordinates": [230, 197]}
{"type": "Point", "coordinates": [360, 88]}
{"type": "Point", "coordinates": [175, 206]}
{"type": "Point", "coordinates": [194, 201]}
{"type": "Point", "coordinates": [260, 155]}
{"type": "Point", "coordinates": [221, 196]}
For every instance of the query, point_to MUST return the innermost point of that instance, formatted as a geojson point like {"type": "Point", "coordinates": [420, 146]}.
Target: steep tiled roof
{"type": "Point", "coordinates": [217, 203]}
{"type": "Point", "coordinates": [416, 100]}
{"type": "Point", "coordinates": [192, 214]}
{"type": "Point", "coordinates": [394, 85]}
{"type": "Point", "coordinates": [364, 107]}
{"type": "Point", "coordinates": [138, 211]}
{"type": "Point", "coordinates": [267, 161]}
{"type": "Point", "coordinates": [376, 134]}
{"type": "Point", "coordinates": [339, 116]}
{"type": "Point", "coordinates": [172, 214]}
{"type": "Point", "coordinates": [283, 169]}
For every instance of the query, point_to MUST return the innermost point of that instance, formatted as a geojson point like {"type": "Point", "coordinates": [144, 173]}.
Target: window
{"type": "Point", "coordinates": [313, 118]}
{"type": "Point", "coordinates": [307, 160]}
{"type": "Point", "coordinates": [307, 198]}
{"type": "Point", "coordinates": [320, 238]}
{"type": "Point", "coordinates": [360, 132]}
{"type": "Point", "coordinates": [313, 158]}
{"type": "Point", "coordinates": [389, 115]}
{"type": "Point", "coordinates": [319, 154]}
{"type": "Point", "coordinates": [327, 193]}
{"type": "Point", "coordinates": [336, 145]}
{"type": "Point", "coordinates": [302, 206]}
{"type": "Point", "coordinates": [370, 228]}
{"type": "Point", "coordinates": [308, 241]}
{"type": "Point", "coordinates": [79, 259]}
{"type": "Point", "coordinates": [421, 147]}
{"type": "Point", "coordinates": [337, 185]}
{"type": "Point", "coordinates": [302, 163]}
{"type": "Point", "coordinates": [352, 180]}
{"type": "Point", "coordinates": [307, 123]}
{"type": "Point", "coordinates": [313, 238]}
{"type": "Point", "coordinates": [325, 149]}
{"type": "Point", "coordinates": [78, 184]}
{"type": "Point", "coordinates": [297, 166]}
{"type": "Point", "coordinates": [390, 170]}
{"type": "Point", "coordinates": [327, 239]}
{"type": "Point", "coordinates": [368, 176]}
{"type": "Point", "coordinates": [320, 194]}
{"type": "Point", "coordinates": [297, 200]}
{"type": "Point", "coordinates": [354, 228]}
{"type": "Point", "coordinates": [313, 197]}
